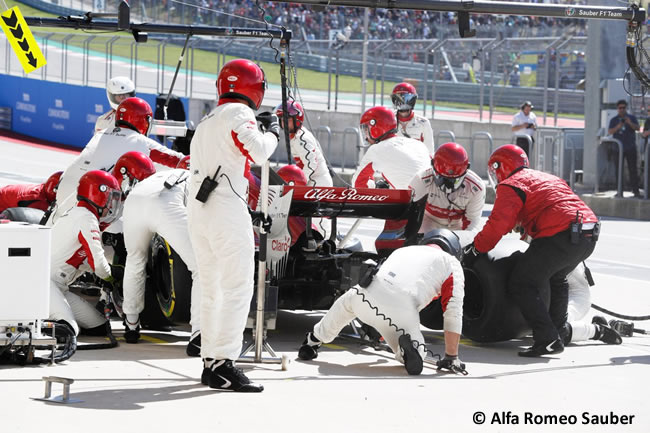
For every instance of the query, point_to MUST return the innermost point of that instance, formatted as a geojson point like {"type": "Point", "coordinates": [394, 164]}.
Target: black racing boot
{"type": "Point", "coordinates": [599, 320]}
{"type": "Point", "coordinates": [566, 332]}
{"type": "Point", "coordinates": [604, 332]}
{"type": "Point", "coordinates": [194, 346]}
{"type": "Point", "coordinates": [539, 349]}
{"type": "Point", "coordinates": [224, 376]}
{"type": "Point", "coordinates": [309, 348]}
{"type": "Point", "coordinates": [131, 332]}
{"type": "Point", "coordinates": [412, 358]}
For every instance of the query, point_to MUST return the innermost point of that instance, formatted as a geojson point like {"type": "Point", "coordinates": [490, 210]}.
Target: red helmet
{"type": "Point", "coordinates": [134, 113]}
{"type": "Point", "coordinates": [131, 168]}
{"type": "Point", "coordinates": [184, 163]}
{"type": "Point", "coordinates": [450, 163]}
{"type": "Point", "coordinates": [404, 97]}
{"type": "Point", "coordinates": [293, 175]}
{"type": "Point", "coordinates": [50, 185]}
{"type": "Point", "coordinates": [504, 161]}
{"type": "Point", "coordinates": [295, 111]}
{"type": "Point", "coordinates": [101, 191]}
{"type": "Point", "coordinates": [378, 123]}
{"type": "Point", "coordinates": [241, 78]}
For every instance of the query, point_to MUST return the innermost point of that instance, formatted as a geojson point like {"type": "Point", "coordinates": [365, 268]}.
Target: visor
{"type": "Point", "coordinates": [113, 209]}
{"type": "Point", "coordinates": [448, 184]}
{"type": "Point", "coordinates": [492, 177]}
{"type": "Point", "coordinates": [404, 101]}
{"type": "Point", "coordinates": [365, 132]}
{"type": "Point", "coordinates": [112, 97]}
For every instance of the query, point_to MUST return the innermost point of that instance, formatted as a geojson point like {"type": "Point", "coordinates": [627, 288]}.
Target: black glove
{"type": "Point", "coordinates": [117, 272]}
{"type": "Point", "coordinates": [470, 254]}
{"type": "Point", "coordinates": [452, 364]}
{"type": "Point", "coordinates": [382, 184]}
{"type": "Point", "coordinates": [270, 123]}
{"type": "Point", "coordinates": [259, 216]}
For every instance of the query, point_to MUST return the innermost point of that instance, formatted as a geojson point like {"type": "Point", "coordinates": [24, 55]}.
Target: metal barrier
{"type": "Point", "coordinates": [480, 169]}
{"type": "Point", "coordinates": [328, 131]}
{"type": "Point", "coordinates": [531, 147]}
{"type": "Point", "coordinates": [646, 171]}
{"type": "Point", "coordinates": [446, 132]}
{"type": "Point", "coordinates": [358, 146]}
{"type": "Point", "coordinates": [619, 181]}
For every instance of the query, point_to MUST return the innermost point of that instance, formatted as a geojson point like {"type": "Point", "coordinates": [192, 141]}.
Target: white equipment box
{"type": "Point", "coordinates": [25, 272]}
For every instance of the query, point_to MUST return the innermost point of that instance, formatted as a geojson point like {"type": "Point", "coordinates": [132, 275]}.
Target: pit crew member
{"type": "Point", "coordinates": [391, 160]}
{"type": "Point", "coordinates": [411, 125]}
{"type": "Point", "coordinates": [102, 151]}
{"type": "Point", "coordinates": [226, 141]}
{"type": "Point", "coordinates": [404, 284]}
{"type": "Point", "coordinates": [564, 231]}
{"type": "Point", "coordinates": [455, 194]}
{"type": "Point", "coordinates": [117, 90]}
{"type": "Point", "coordinates": [155, 205]}
{"type": "Point", "coordinates": [77, 248]}
{"type": "Point", "coordinates": [305, 149]}
{"type": "Point", "coordinates": [36, 195]}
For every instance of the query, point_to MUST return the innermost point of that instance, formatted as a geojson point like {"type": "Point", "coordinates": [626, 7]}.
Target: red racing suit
{"type": "Point", "coordinates": [418, 128]}
{"type": "Point", "coordinates": [23, 195]}
{"type": "Point", "coordinates": [458, 210]}
{"type": "Point", "coordinates": [395, 159]}
{"type": "Point", "coordinates": [540, 203]}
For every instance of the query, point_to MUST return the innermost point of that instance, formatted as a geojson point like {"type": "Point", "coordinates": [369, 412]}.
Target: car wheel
{"type": "Point", "coordinates": [168, 288]}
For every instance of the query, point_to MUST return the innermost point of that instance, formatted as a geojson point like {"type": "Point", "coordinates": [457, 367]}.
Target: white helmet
{"type": "Point", "coordinates": [119, 86]}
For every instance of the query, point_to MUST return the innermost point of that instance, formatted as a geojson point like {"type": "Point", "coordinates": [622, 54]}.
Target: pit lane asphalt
{"type": "Point", "coordinates": [153, 385]}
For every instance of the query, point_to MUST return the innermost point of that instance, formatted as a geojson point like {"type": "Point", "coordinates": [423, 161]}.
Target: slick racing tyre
{"type": "Point", "coordinates": [168, 287]}
{"type": "Point", "coordinates": [22, 214]}
{"type": "Point", "coordinates": [489, 313]}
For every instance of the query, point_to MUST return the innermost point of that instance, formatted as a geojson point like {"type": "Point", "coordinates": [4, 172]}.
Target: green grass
{"type": "Point", "coordinates": [206, 61]}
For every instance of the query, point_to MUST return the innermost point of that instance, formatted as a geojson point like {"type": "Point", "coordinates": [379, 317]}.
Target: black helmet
{"type": "Point", "coordinates": [447, 240]}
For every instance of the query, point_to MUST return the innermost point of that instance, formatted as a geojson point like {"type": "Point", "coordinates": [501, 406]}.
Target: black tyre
{"type": "Point", "coordinates": [23, 214]}
{"type": "Point", "coordinates": [168, 287]}
{"type": "Point", "coordinates": [489, 314]}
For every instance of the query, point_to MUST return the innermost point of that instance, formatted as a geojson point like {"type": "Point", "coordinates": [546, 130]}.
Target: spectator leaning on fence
{"type": "Point", "coordinates": [524, 124]}
{"type": "Point", "coordinates": [623, 127]}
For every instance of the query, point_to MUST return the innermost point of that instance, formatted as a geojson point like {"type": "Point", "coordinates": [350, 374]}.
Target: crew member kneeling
{"type": "Point", "coordinates": [77, 248]}
{"type": "Point", "coordinates": [563, 229]}
{"type": "Point", "coordinates": [407, 282]}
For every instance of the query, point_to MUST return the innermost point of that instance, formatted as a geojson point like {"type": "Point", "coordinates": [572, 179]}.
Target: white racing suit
{"type": "Point", "coordinates": [579, 305]}
{"type": "Point", "coordinates": [101, 153]}
{"type": "Point", "coordinates": [459, 210]}
{"type": "Point", "coordinates": [76, 248]}
{"type": "Point", "coordinates": [220, 229]}
{"type": "Point", "coordinates": [395, 160]}
{"type": "Point", "coordinates": [308, 154]}
{"type": "Point", "coordinates": [105, 121]}
{"type": "Point", "coordinates": [152, 208]}
{"type": "Point", "coordinates": [418, 128]}
{"type": "Point", "coordinates": [406, 282]}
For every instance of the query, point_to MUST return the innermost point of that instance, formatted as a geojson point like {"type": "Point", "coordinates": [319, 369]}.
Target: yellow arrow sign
{"type": "Point", "coordinates": [22, 40]}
